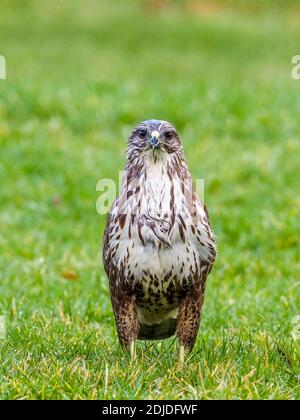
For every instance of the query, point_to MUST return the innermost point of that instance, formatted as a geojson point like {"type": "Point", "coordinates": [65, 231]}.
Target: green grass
{"type": "Point", "coordinates": [79, 77]}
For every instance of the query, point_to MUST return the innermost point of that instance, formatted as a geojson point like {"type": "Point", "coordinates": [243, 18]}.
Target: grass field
{"type": "Point", "coordinates": [79, 77]}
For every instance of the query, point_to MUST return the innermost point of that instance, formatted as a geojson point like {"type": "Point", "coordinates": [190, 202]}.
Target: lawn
{"type": "Point", "coordinates": [80, 75]}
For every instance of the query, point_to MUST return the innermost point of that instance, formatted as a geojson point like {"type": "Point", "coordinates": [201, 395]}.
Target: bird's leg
{"type": "Point", "coordinates": [188, 320]}
{"type": "Point", "coordinates": [181, 356]}
{"type": "Point", "coordinates": [132, 350]}
{"type": "Point", "coordinates": [127, 321]}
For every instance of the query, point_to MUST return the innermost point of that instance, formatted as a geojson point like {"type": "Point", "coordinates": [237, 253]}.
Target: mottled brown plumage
{"type": "Point", "coordinates": [158, 244]}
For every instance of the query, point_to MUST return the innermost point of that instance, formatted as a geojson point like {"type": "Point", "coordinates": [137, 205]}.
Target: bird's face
{"type": "Point", "coordinates": [154, 137]}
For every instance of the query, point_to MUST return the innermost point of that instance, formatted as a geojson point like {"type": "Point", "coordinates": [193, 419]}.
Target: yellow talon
{"type": "Point", "coordinates": [181, 356]}
{"type": "Point", "coordinates": [132, 350]}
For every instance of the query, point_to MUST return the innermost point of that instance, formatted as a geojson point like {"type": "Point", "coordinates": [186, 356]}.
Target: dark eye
{"type": "Point", "coordinates": [169, 135]}
{"type": "Point", "coordinates": [142, 133]}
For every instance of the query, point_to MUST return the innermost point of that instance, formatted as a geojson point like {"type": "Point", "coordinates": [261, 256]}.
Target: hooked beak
{"type": "Point", "coordinates": [154, 139]}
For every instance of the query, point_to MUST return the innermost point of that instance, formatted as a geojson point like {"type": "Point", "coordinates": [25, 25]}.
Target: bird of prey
{"type": "Point", "coordinates": [158, 246]}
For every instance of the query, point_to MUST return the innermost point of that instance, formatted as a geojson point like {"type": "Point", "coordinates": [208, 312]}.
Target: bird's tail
{"type": "Point", "coordinates": [160, 331]}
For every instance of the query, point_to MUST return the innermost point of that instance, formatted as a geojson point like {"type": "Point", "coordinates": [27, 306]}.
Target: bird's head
{"type": "Point", "coordinates": [154, 138]}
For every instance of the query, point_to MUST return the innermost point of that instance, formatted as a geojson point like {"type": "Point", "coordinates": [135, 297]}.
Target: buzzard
{"type": "Point", "coordinates": [158, 244]}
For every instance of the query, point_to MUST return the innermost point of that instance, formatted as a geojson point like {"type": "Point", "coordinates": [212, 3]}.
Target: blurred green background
{"type": "Point", "coordinates": [80, 75]}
